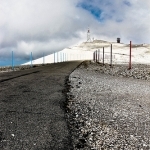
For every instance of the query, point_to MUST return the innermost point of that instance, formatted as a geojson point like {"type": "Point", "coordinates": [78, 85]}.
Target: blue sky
{"type": "Point", "coordinates": [50, 25]}
{"type": "Point", "coordinates": [94, 10]}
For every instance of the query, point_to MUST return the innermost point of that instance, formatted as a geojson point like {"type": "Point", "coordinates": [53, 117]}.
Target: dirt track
{"type": "Point", "coordinates": [32, 116]}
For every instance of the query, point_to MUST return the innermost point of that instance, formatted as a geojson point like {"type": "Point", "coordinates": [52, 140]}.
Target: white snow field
{"type": "Point", "coordinates": [84, 51]}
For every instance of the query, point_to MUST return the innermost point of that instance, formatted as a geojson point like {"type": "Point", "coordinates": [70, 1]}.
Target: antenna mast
{"type": "Point", "coordinates": [88, 36]}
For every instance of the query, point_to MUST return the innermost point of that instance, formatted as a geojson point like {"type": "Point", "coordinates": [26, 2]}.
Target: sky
{"type": "Point", "coordinates": [45, 26]}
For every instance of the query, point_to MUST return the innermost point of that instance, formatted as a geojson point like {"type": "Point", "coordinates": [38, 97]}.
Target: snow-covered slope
{"type": "Point", "coordinates": [84, 51]}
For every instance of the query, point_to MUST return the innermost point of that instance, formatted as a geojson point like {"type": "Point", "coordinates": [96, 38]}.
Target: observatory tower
{"type": "Point", "coordinates": [88, 36]}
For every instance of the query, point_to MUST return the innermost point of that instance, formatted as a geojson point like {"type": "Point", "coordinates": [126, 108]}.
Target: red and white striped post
{"type": "Point", "coordinates": [130, 55]}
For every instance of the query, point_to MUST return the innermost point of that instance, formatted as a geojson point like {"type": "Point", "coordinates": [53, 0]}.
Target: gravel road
{"type": "Point", "coordinates": [109, 108]}
{"type": "Point", "coordinates": [32, 114]}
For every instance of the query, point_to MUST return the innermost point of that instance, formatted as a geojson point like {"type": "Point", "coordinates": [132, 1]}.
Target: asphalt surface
{"type": "Point", "coordinates": [32, 114]}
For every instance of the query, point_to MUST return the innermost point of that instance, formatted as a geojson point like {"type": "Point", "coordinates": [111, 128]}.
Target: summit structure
{"type": "Point", "coordinates": [88, 36]}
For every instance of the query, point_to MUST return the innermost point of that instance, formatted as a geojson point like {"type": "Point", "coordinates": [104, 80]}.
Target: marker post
{"type": "Point", "coordinates": [130, 55]}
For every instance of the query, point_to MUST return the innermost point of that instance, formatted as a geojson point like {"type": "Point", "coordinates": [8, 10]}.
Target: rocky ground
{"type": "Point", "coordinates": [108, 108]}
{"type": "Point", "coordinates": [16, 68]}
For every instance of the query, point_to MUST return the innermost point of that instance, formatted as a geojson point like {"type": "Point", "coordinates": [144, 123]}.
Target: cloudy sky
{"type": "Point", "coordinates": [45, 26]}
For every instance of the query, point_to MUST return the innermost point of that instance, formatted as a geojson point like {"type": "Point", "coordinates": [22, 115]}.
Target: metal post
{"type": "Point", "coordinates": [65, 57]}
{"type": "Point", "coordinates": [43, 58]}
{"type": "Point", "coordinates": [130, 55]}
{"type": "Point", "coordinates": [54, 57]}
{"type": "Point", "coordinates": [60, 56]}
{"type": "Point", "coordinates": [12, 61]}
{"type": "Point", "coordinates": [31, 59]}
{"type": "Point", "coordinates": [111, 55]}
{"type": "Point", "coordinates": [103, 55]}
{"type": "Point", "coordinates": [57, 58]}
{"type": "Point", "coordinates": [98, 55]}
{"type": "Point", "coordinates": [94, 56]}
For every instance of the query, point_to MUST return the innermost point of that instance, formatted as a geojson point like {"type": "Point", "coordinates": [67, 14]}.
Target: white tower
{"type": "Point", "coordinates": [88, 36]}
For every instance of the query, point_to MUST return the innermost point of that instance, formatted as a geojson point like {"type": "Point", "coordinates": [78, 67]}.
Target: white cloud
{"type": "Point", "coordinates": [51, 25]}
{"type": "Point", "coordinates": [128, 20]}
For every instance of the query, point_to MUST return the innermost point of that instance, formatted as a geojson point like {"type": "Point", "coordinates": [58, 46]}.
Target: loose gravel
{"type": "Point", "coordinates": [108, 107]}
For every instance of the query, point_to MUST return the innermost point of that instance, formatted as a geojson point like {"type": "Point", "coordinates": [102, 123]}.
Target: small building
{"type": "Point", "coordinates": [118, 40]}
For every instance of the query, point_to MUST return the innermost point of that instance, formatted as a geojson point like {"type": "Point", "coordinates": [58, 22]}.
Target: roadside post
{"type": "Point", "coordinates": [130, 55]}
{"type": "Point", "coordinates": [96, 55]}
{"type": "Point", "coordinates": [57, 58]}
{"type": "Point", "coordinates": [63, 57]}
{"type": "Point", "coordinates": [60, 54]}
{"type": "Point", "coordinates": [66, 56]}
{"type": "Point", "coordinates": [12, 61]}
{"type": "Point", "coordinates": [31, 59]}
{"type": "Point", "coordinates": [111, 55]}
{"type": "Point", "coordinates": [103, 55]}
{"type": "Point", "coordinates": [54, 57]}
{"type": "Point", "coordinates": [43, 58]}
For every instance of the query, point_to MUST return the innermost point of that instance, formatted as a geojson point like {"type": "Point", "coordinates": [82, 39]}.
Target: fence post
{"type": "Point", "coordinates": [57, 57]}
{"type": "Point", "coordinates": [103, 55]}
{"type": "Point", "coordinates": [31, 59]}
{"type": "Point", "coordinates": [98, 55]}
{"type": "Point", "coordinates": [65, 56]}
{"type": "Point", "coordinates": [62, 57]}
{"type": "Point", "coordinates": [12, 61]}
{"type": "Point", "coordinates": [111, 55]}
{"type": "Point", "coordinates": [94, 56]}
{"type": "Point", "coordinates": [130, 55]}
{"type": "Point", "coordinates": [54, 57]}
{"type": "Point", "coordinates": [43, 58]}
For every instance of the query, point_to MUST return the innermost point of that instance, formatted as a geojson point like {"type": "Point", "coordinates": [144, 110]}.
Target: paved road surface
{"type": "Point", "coordinates": [32, 116]}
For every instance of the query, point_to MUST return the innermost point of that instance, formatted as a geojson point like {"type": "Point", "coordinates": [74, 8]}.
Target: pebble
{"type": "Point", "coordinates": [106, 113]}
